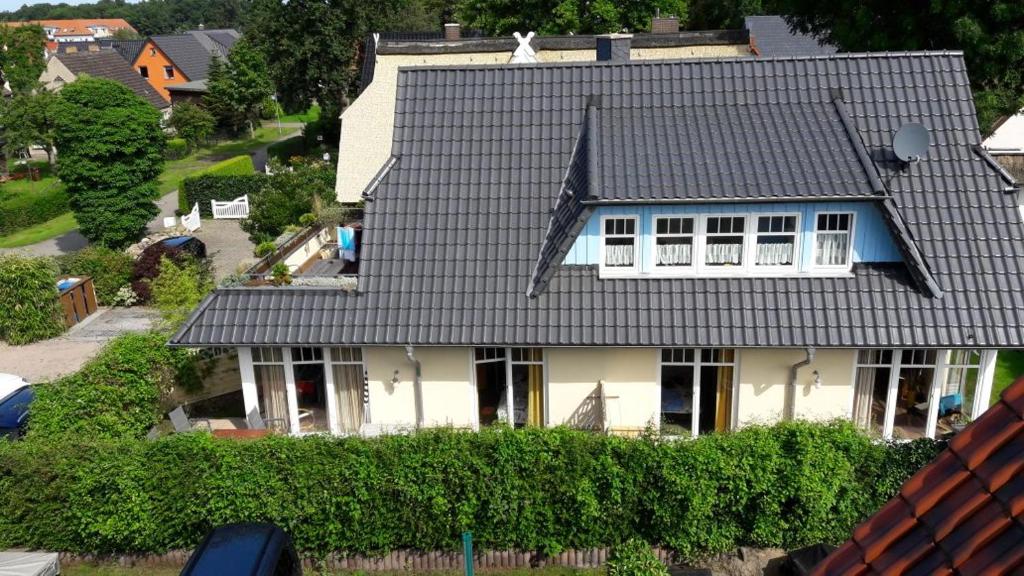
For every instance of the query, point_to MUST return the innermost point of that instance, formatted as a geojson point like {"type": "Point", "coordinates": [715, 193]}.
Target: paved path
{"type": "Point", "coordinates": [49, 359]}
{"type": "Point", "coordinates": [69, 242]}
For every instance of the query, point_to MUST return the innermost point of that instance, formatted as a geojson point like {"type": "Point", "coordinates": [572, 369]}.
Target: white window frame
{"type": "Point", "coordinates": [711, 271]}
{"type": "Point", "coordinates": [849, 248]}
{"type": "Point", "coordinates": [509, 399]}
{"type": "Point", "coordinates": [637, 237]}
{"type": "Point", "coordinates": [674, 270]}
{"type": "Point", "coordinates": [797, 234]}
{"type": "Point", "coordinates": [982, 390]}
{"type": "Point", "coordinates": [332, 400]}
{"type": "Point", "coordinates": [697, 363]}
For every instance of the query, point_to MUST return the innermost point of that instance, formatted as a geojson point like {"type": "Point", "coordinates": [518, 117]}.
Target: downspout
{"type": "Point", "coordinates": [417, 384]}
{"type": "Point", "coordinates": [791, 389]}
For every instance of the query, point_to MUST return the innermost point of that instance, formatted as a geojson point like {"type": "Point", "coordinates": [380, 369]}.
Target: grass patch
{"type": "Point", "coordinates": [1009, 367]}
{"type": "Point", "coordinates": [51, 228]}
{"type": "Point", "coordinates": [114, 570]}
{"type": "Point", "coordinates": [311, 115]}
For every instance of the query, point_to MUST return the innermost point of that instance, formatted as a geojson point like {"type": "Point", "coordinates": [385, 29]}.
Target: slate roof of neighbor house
{"type": "Point", "coordinates": [109, 64]}
{"type": "Point", "coordinates": [455, 226]}
{"type": "Point", "coordinates": [961, 514]}
{"type": "Point", "coordinates": [195, 86]}
{"type": "Point", "coordinates": [771, 36]}
{"type": "Point", "coordinates": [191, 52]}
{"type": "Point", "coordinates": [128, 49]}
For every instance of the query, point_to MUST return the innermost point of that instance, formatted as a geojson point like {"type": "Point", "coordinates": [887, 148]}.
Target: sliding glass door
{"type": "Point", "coordinates": [509, 386]}
{"type": "Point", "coordinates": [696, 390]}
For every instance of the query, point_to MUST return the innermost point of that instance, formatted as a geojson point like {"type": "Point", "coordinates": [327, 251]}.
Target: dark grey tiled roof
{"type": "Point", "coordinates": [128, 49]}
{"type": "Point", "coordinates": [456, 226]}
{"type": "Point", "coordinates": [109, 64]}
{"type": "Point", "coordinates": [191, 52]}
{"type": "Point", "coordinates": [772, 37]}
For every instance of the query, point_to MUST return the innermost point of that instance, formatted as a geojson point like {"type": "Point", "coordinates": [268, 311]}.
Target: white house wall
{"type": "Point", "coordinates": [1009, 137]}
{"type": "Point", "coordinates": [630, 378]}
{"type": "Point", "coordinates": [764, 376]}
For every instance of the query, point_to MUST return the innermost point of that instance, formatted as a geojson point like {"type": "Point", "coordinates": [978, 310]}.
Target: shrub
{"type": "Point", "coordinates": [280, 274]}
{"type": "Point", "coordinates": [125, 297]}
{"type": "Point", "coordinates": [289, 195]}
{"type": "Point", "coordinates": [284, 150]}
{"type": "Point", "coordinates": [192, 124]}
{"type": "Point", "coordinates": [177, 148]}
{"type": "Point", "coordinates": [535, 489]}
{"type": "Point", "coordinates": [117, 394]}
{"type": "Point", "coordinates": [635, 558]}
{"type": "Point", "coordinates": [333, 215]}
{"type": "Point", "coordinates": [24, 209]}
{"type": "Point", "coordinates": [147, 267]}
{"type": "Point", "coordinates": [225, 180]}
{"type": "Point", "coordinates": [110, 270]}
{"type": "Point", "coordinates": [29, 300]}
{"type": "Point", "coordinates": [265, 249]}
{"type": "Point", "coordinates": [178, 289]}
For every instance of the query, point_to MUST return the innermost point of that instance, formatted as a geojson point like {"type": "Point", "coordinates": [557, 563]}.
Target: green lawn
{"type": "Point", "coordinates": [51, 228]}
{"type": "Point", "coordinates": [111, 570]}
{"type": "Point", "coordinates": [311, 115]}
{"type": "Point", "coordinates": [1009, 367]}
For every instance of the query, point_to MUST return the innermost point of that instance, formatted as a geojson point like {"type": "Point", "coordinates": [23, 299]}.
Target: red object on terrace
{"type": "Point", "coordinates": [960, 514]}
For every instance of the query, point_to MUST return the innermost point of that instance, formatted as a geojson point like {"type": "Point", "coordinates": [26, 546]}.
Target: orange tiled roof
{"type": "Point", "coordinates": [79, 26]}
{"type": "Point", "coordinates": [961, 514]}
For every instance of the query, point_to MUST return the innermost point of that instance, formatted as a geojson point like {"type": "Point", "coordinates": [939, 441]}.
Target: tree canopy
{"type": "Point", "coordinates": [238, 89]}
{"type": "Point", "coordinates": [110, 152]}
{"type": "Point", "coordinates": [22, 60]}
{"type": "Point", "coordinates": [504, 17]}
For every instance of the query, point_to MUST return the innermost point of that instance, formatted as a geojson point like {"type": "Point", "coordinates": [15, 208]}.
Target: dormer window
{"type": "Point", "coordinates": [776, 241]}
{"type": "Point", "coordinates": [673, 242]}
{"type": "Point", "coordinates": [724, 240]}
{"type": "Point", "coordinates": [832, 246]}
{"type": "Point", "coordinates": [619, 244]}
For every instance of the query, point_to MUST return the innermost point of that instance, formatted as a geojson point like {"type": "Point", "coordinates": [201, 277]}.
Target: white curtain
{"type": "Point", "coordinates": [723, 253]}
{"type": "Point", "coordinates": [863, 396]}
{"type": "Point", "coordinates": [832, 249]}
{"type": "Point", "coordinates": [775, 254]}
{"type": "Point", "coordinates": [618, 255]}
{"type": "Point", "coordinates": [348, 393]}
{"type": "Point", "coordinates": [270, 378]}
{"type": "Point", "coordinates": [673, 254]}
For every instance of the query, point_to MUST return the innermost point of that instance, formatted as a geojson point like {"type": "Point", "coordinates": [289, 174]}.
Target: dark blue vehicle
{"type": "Point", "coordinates": [14, 412]}
{"type": "Point", "coordinates": [244, 550]}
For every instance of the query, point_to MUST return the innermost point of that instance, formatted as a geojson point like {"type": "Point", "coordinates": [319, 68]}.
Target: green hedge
{"type": "Point", "coordinates": [202, 189]}
{"type": "Point", "coordinates": [235, 166]}
{"type": "Point", "coordinates": [177, 148]}
{"type": "Point", "coordinates": [29, 301]}
{"type": "Point", "coordinates": [109, 269]}
{"type": "Point", "coordinates": [533, 489]}
{"type": "Point", "coordinates": [115, 395]}
{"type": "Point", "coordinates": [26, 209]}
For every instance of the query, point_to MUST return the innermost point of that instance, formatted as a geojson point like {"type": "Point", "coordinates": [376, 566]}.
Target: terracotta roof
{"type": "Point", "coordinates": [78, 27]}
{"type": "Point", "coordinates": [961, 514]}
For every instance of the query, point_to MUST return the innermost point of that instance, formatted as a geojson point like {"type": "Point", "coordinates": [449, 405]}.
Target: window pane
{"type": "Point", "coordinates": [775, 250]}
{"type": "Point", "coordinates": [272, 396]}
{"type": "Point", "coordinates": [662, 226]}
{"type": "Point", "coordinates": [677, 400]}
{"type": "Point", "coordinates": [724, 251]}
{"type": "Point", "coordinates": [832, 249]}
{"type": "Point", "coordinates": [618, 252]}
{"type": "Point", "coordinates": [348, 395]}
{"type": "Point", "coordinates": [912, 403]}
{"type": "Point", "coordinates": [676, 251]}
{"type": "Point", "coordinates": [870, 392]}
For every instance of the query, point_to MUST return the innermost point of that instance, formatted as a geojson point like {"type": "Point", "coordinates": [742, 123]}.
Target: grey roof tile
{"type": "Point", "coordinates": [191, 52]}
{"type": "Point", "coordinates": [112, 66]}
{"type": "Point", "coordinates": [772, 37]}
{"type": "Point", "coordinates": [455, 228]}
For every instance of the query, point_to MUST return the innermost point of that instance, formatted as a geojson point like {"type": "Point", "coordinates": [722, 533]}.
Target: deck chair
{"type": "Point", "coordinates": [256, 422]}
{"type": "Point", "coordinates": [181, 422]}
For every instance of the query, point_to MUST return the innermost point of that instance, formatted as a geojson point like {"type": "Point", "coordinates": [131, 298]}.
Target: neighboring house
{"type": "Point", "coordinates": [771, 37]}
{"type": "Point", "coordinates": [166, 61]}
{"type": "Point", "coordinates": [961, 514]}
{"type": "Point", "coordinates": [693, 245]}
{"type": "Point", "coordinates": [367, 124]}
{"type": "Point", "coordinates": [190, 92]}
{"type": "Point", "coordinates": [62, 69]}
{"type": "Point", "coordinates": [1006, 144]}
{"type": "Point", "coordinates": [78, 30]}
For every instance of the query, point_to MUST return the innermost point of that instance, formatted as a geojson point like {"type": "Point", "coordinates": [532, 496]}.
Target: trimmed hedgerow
{"type": "Point", "coordinates": [534, 489]}
{"type": "Point", "coordinates": [202, 189]}
{"type": "Point", "coordinates": [110, 270]}
{"type": "Point", "coordinates": [115, 395]}
{"type": "Point", "coordinates": [201, 186]}
{"type": "Point", "coordinates": [21, 210]}
{"type": "Point", "coordinates": [29, 301]}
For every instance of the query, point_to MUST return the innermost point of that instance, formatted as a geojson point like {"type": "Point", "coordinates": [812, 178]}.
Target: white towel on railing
{"type": "Point", "coordinates": [674, 254]}
{"type": "Point", "coordinates": [723, 253]}
{"type": "Point", "coordinates": [618, 255]}
{"type": "Point", "coordinates": [832, 249]}
{"type": "Point", "coordinates": [779, 254]}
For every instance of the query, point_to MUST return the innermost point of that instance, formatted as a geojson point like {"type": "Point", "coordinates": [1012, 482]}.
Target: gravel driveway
{"type": "Point", "coordinates": [48, 359]}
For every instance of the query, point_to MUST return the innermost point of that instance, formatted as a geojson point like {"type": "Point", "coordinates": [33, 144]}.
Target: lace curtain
{"type": "Point", "coordinates": [775, 254]}
{"type": "Point", "coordinates": [674, 254]}
{"type": "Point", "coordinates": [618, 255]}
{"type": "Point", "coordinates": [723, 253]}
{"type": "Point", "coordinates": [832, 249]}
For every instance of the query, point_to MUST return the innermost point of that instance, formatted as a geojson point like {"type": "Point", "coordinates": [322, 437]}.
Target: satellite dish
{"type": "Point", "coordinates": [910, 142]}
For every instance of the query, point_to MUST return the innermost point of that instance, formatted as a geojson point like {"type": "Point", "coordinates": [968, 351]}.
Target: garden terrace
{"type": "Point", "coordinates": [310, 253]}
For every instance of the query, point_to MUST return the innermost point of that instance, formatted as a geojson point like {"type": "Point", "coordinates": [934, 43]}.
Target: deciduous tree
{"type": "Point", "coordinates": [192, 123]}
{"type": "Point", "coordinates": [110, 148]}
{"type": "Point", "coordinates": [238, 89]}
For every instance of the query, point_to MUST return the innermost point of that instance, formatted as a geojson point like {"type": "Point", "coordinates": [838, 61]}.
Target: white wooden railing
{"type": "Point", "coordinates": [191, 220]}
{"type": "Point", "coordinates": [237, 208]}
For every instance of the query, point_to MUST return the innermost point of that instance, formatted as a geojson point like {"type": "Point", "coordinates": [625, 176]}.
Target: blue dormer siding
{"type": "Point", "coordinates": [872, 240]}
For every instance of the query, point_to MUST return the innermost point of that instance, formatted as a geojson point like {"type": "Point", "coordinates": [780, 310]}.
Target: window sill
{"type": "Point", "coordinates": [718, 275]}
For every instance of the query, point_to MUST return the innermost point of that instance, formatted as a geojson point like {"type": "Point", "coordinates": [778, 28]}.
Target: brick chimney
{"type": "Point", "coordinates": [613, 47]}
{"type": "Point", "coordinates": [452, 31]}
{"type": "Point", "coordinates": [664, 24]}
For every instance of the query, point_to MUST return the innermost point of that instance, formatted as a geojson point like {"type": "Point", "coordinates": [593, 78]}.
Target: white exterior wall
{"type": "Point", "coordinates": [56, 75]}
{"type": "Point", "coordinates": [447, 398]}
{"type": "Point", "coordinates": [1009, 137]}
{"type": "Point", "coordinates": [303, 253]}
{"type": "Point", "coordinates": [764, 376]}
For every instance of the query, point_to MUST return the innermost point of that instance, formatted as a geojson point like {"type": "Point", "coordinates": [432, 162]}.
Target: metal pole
{"type": "Point", "coordinates": [467, 552]}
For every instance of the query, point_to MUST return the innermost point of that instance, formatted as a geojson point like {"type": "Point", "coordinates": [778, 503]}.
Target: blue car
{"type": "Point", "coordinates": [244, 550]}
{"type": "Point", "coordinates": [15, 397]}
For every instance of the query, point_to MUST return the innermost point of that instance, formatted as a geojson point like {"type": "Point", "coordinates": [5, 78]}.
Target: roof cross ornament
{"type": "Point", "coordinates": [524, 54]}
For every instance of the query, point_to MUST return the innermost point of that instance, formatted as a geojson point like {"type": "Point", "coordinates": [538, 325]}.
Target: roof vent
{"type": "Point", "coordinates": [910, 143]}
{"type": "Point", "coordinates": [614, 47]}
{"type": "Point", "coordinates": [452, 31]}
